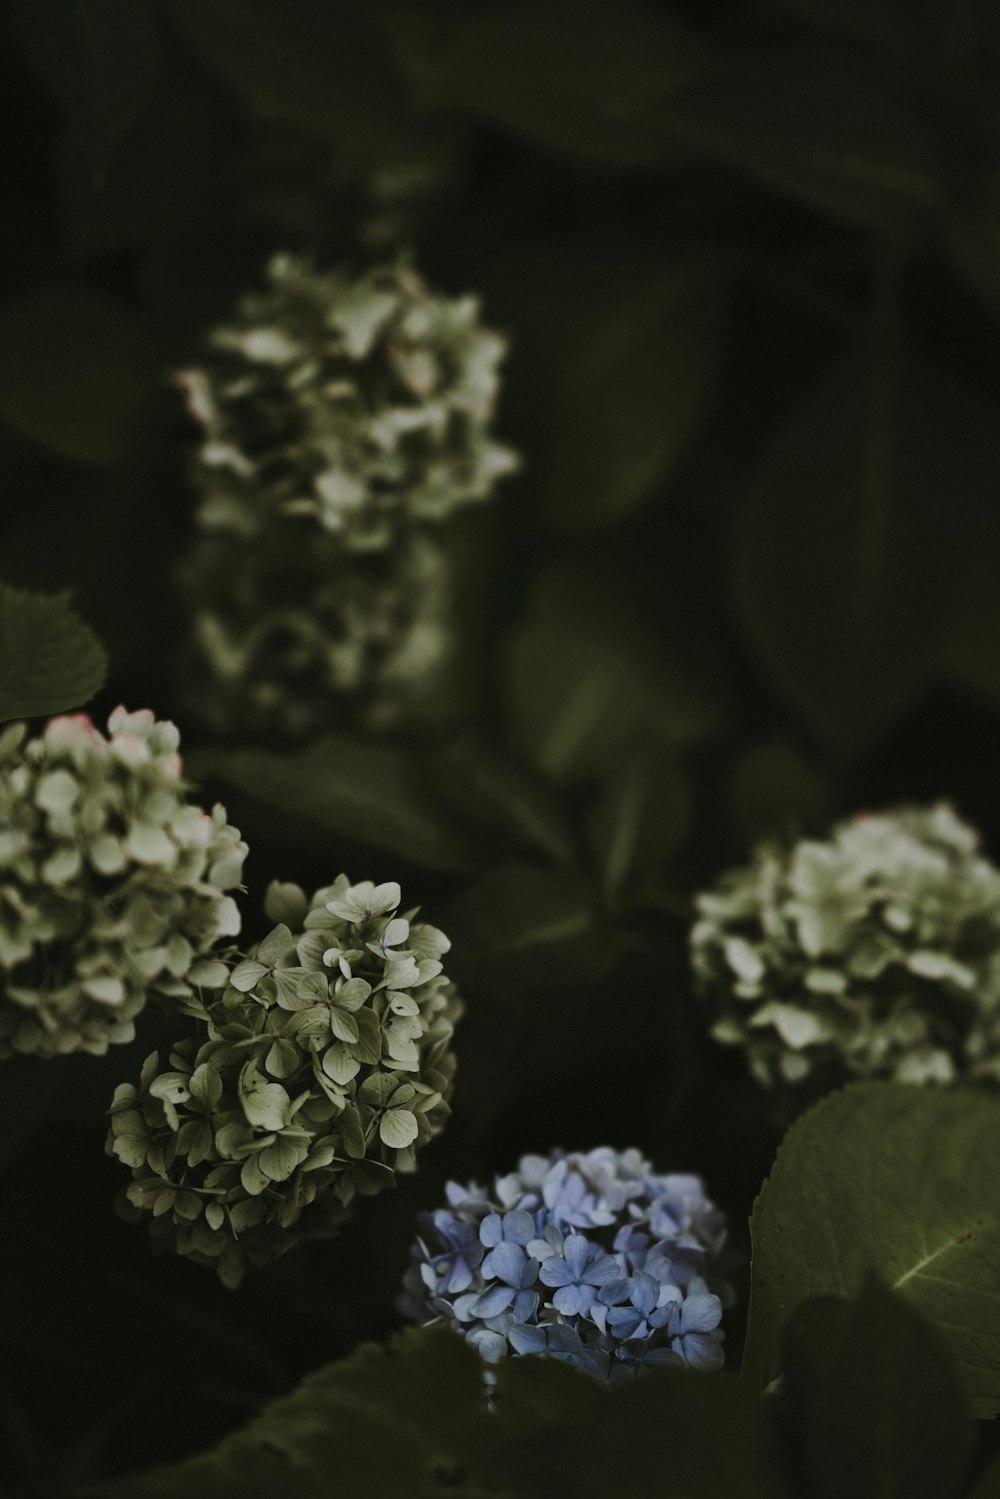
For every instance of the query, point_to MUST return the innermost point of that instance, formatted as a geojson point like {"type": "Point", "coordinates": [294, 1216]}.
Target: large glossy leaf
{"type": "Point", "coordinates": [76, 367]}
{"type": "Point", "coordinates": [374, 793]}
{"type": "Point", "coordinates": [901, 1180]}
{"type": "Point", "coordinates": [857, 535]}
{"type": "Point", "coordinates": [576, 75]}
{"type": "Point", "coordinates": [580, 680]}
{"type": "Point", "coordinates": [411, 1421]}
{"type": "Point", "coordinates": [709, 1440]}
{"type": "Point", "coordinates": [49, 659]}
{"type": "Point", "coordinates": [872, 1407]}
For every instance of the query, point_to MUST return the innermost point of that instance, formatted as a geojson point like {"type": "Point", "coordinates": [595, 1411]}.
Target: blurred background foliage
{"type": "Point", "coordinates": [747, 254]}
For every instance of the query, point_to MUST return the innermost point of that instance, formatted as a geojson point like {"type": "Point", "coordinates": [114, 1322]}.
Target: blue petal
{"type": "Point", "coordinates": [491, 1230]}
{"type": "Point", "coordinates": [602, 1270]}
{"type": "Point", "coordinates": [555, 1272]}
{"type": "Point", "coordinates": [518, 1226]}
{"type": "Point", "coordinates": [576, 1254]}
{"type": "Point", "coordinates": [525, 1305]}
{"type": "Point", "coordinates": [701, 1350]}
{"type": "Point", "coordinates": [573, 1301]}
{"type": "Point", "coordinates": [700, 1314]}
{"type": "Point", "coordinates": [510, 1263]}
{"type": "Point", "coordinates": [492, 1345]}
{"type": "Point", "coordinates": [527, 1339]}
{"type": "Point", "coordinates": [614, 1290]}
{"type": "Point", "coordinates": [645, 1291]}
{"type": "Point", "coordinates": [493, 1301]}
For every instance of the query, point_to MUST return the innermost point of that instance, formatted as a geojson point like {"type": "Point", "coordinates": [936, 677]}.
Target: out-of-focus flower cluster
{"type": "Point", "coordinates": [875, 953]}
{"type": "Point", "coordinates": [592, 1258]}
{"type": "Point", "coordinates": [111, 883]}
{"type": "Point", "coordinates": [315, 1075]}
{"type": "Point", "coordinates": [344, 420]}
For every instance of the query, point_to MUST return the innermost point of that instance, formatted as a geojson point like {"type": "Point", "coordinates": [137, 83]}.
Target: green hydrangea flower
{"type": "Point", "coordinates": [344, 419]}
{"type": "Point", "coordinates": [875, 953]}
{"type": "Point", "coordinates": [317, 1073]}
{"type": "Point", "coordinates": [112, 884]}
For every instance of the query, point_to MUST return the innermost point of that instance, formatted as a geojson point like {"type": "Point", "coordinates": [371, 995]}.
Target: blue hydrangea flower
{"type": "Point", "coordinates": [593, 1258]}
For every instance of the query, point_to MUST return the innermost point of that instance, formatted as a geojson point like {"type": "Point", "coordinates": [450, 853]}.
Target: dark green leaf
{"type": "Point", "coordinates": [988, 1486]}
{"type": "Point", "coordinates": [855, 540]}
{"type": "Point", "coordinates": [778, 114]}
{"type": "Point", "coordinates": [576, 75]}
{"type": "Point", "coordinates": [99, 58]}
{"type": "Point", "coordinates": [374, 793]}
{"type": "Point", "coordinates": [901, 1180]}
{"type": "Point", "coordinates": [482, 785]}
{"type": "Point", "coordinates": [709, 1440]}
{"type": "Point", "coordinates": [523, 926]}
{"type": "Point", "coordinates": [639, 819]}
{"type": "Point", "coordinates": [49, 659]}
{"type": "Point", "coordinates": [581, 679]}
{"type": "Point", "coordinates": [326, 69]}
{"type": "Point", "coordinates": [778, 794]}
{"type": "Point", "coordinates": [386, 1422]}
{"type": "Point", "coordinates": [872, 1409]}
{"type": "Point", "coordinates": [75, 369]}
{"type": "Point", "coordinates": [631, 378]}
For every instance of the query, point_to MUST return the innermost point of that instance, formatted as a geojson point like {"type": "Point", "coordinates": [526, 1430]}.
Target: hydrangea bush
{"type": "Point", "coordinates": [874, 953]}
{"type": "Point", "coordinates": [112, 884]}
{"type": "Point", "coordinates": [313, 1076]}
{"type": "Point", "coordinates": [344, 419]}
{"type": "Point", "coordinates": [590, 1257]}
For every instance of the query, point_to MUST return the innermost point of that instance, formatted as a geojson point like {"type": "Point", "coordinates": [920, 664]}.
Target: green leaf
{"type": "Point", "coordinates": [265, 1104]}
{"type": "Point", "coordinates": [776, 793]}
{"type": "Point", "coordinates": [522, 926]}
{"type": "Point", "coordinates": [899, 1180]}
{"type": "Point", "coordinates": [777, 114]}
{"type": "Point", "coordinates": [387, 1422]}
{"type": "Point", "coordinates": [411, 1421]}
{"type": "Point", "coordinates": [484, 786]}
{"type": "Point", "coordinates": [631, 379]}
{"type": "Point", "coordinates": [988, 1486]}
{"type": "Point", "coordinates": [709, 1438]}
{"type": "Point", "coordinates": [100, 60]}
{"type": "Point", "coordinates": [327, 70]}
{"type": "Point", "coordinates": [580, 678]}
{"type": "Point", "coordinates": [856, 537]}
{"type": "Point", "coordinates": [76, 368]}
{"type": "Point", "coordinates": [49, 659]}
{"type": "Point", "coordinates": [576, 75]}
{"type": "Point", "coordinates": [640, 818]}
{"type": "Point", "coordinates": [348, 786]}
{"type": "Point", "coordinates": [871, 1406]}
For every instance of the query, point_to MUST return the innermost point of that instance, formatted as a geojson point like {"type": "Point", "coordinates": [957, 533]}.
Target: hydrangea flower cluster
{"type": "Point", "coordinates": [112, 884]}
{"type": "Point", "coordinates": [344, 419]}
{"type": "Point", "coordinates": [313, 1076]}
{"type": "Point", "coordinates": [875, 953]}
{"type": "Point", "coordinates": [589, 1257]}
